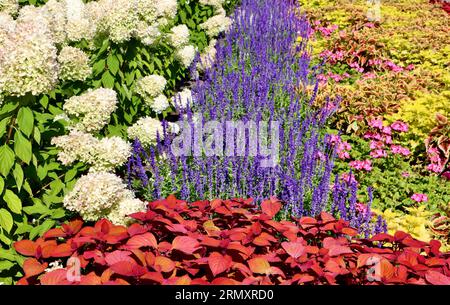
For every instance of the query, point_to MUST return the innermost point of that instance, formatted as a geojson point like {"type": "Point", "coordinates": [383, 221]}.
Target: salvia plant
{"type": "Point", "coordinates": [255, 79]}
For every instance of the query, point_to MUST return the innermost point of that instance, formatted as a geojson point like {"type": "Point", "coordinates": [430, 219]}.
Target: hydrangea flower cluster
{"type": "Point", "coordinates": [102, 155]}
{"type": "Point", "coordinates": [142, 19]}
{"type": "Point", "coordinates": [121, 20]}
{"type": "Point", "coordinates": [74, 146]}
{"type": "Point", "coordinates": [92, 110]}
{"type": "Point", "coordinates": [216, 24]}
{"type": "Point", "coordinates": [120, 212]}
{"type": "Point", "coordinates": [103, 195]}
{"type": "Point", "coordinates": [179, 36]}
{"type": "Point", "coordinates": [147, 130]}
{"type": "Point", "coordinates": [28, 57]}
{"type": "Point", "coordinates": [186, 55]}
{"type": "Point", "coordinates": [74, 64]}
{"type": "Point", "coordinates": [151, 88]}
{"type": "Point", "coordinates": [10, 7]}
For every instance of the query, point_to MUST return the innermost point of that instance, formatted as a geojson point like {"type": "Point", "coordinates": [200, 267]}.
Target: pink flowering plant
{"type": "Point", "coordinates": [381, 159]}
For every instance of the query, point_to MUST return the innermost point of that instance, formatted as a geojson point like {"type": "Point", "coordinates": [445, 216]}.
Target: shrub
{"type": "Point", "coordinates": [99, 55]}
{"type": "Point", "coordinates": [228, 242]}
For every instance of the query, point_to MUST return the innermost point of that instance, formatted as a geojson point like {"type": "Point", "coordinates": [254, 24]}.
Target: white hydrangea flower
{"type": "Point", "coordinates": [95, 194]}
{"type": "Point", "coordinates": [109, 153]}
{"type": "Point", "coordinates": [146, 130]}
{"type": "Point", "coordinates": [28, 58]}
{"type": "Point", "coordinates": [150, 87]}
{"type": "Point", "coordinates": [208, 56]}
{"type": "Point", "coordinates": [167, 8]}
{"type": "Point", "coordinates": [148, 10]}
{"type": "Point", "coordinates": [147, 34]}
{"type": "Point", "coordinates": [55, 13]}
{"type": "Point", "coordinates": [102, 155]}
{"type": "Point", "coordinates": [120, 19]}
{"type": "Point", "coordinates": [178, 36]}
{"type": "Point", "coordinates": [183, 98]}
{"type": "Point", "coordinates": [95, 12]}
{"type": "Point", "coordinates": [119, 213]}
{"type": "Point", "coordinates": [76, 146]}
{"type": "Point", "coordinates": [74, 64]}
{"type": "Point", "coordinates": [10, 7]}
{"type": "Point", "coordinates": [186, 55]}
{"type": "Point", "coordinates": [78, 24]}
{"type": "Point", "coordinates": [7, 25]}
{"type": "Point", "coordinates": [92, 109]}
{"type": "Point", "coordinates": [160, 103]}
{"type": "Point", "coordinates": [216, 25]}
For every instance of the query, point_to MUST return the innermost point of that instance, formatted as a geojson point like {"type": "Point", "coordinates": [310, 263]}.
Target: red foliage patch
{"type": "Point", "coordinates": [229, 242]}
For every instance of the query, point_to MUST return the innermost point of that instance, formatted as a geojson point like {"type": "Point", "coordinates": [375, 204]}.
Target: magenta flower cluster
{"type": "Point", "coordinates": [381, 138]}
{"type": "Point", "coordinates": [418, 197]}
{"type": "Point", "coordinates": [342, 147]}
{"type": "Point", "coordinates": [361, 165]}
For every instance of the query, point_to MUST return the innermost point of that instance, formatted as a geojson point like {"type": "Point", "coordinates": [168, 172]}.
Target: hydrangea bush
{"type": "Point", "coordinates": [68, 93]}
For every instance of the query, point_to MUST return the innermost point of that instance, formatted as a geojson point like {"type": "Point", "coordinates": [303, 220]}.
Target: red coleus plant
{"type": "Point", "coordinates": [228, 242]}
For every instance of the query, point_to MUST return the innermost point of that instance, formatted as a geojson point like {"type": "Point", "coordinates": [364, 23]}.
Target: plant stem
{"type": "Point", "coordinates": [11, 127]}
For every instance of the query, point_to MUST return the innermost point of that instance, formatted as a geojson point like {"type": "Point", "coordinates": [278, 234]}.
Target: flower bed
{"type": "Point", "coordinates": [101, 102]}
{"type": "Point", "coordinates": [228, 242]}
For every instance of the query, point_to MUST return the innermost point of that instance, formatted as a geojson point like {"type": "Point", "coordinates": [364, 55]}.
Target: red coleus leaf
{"type": "Point", "coordinates": [302, 278]}
{"type": "Point", "coordinates": [185, 244]}
{"type": "Point", "coordinates": [26, 247]}
{"type": "Point", "coordinates": [97, 255]}
{"type": "Point", "coordinates": [224, 281]}
{"type": "Point", "coordinates": [136, 228]}
{"type": "Point", "coordinates": [271, 207]}
{"type": "Point", "coordinates": [32, 267]}
{"type": "Point", "coordinates": [91, 279]}
{"type": "Point", "coordinates": [259, 265]}
{"type": "Point", "coordinates": [164, 264]}
{"type": "Point", "coordinates": [142, 240]}
{"type": "Point", "coordinates": [307, 222]}
{"type": "Point", "coordinates": [73, 227]}
{"type": "Point", "coordinates": [55, 277]}
{"type": "Point", "coordinates": [383, 237]}
{"type": "Point", "coordinates": [294, 249]}
{"type": "Point", "coordinates": [153, 276]}
{"type": "Point", "coordinates": [219, 263]}
{"type": "Point", "coordinates": [54, 233]}
{"type": "Point", "coordinates": [116, 234]}
{"type": "Point", "coordinates": [118, 256]}
{"type": "Point", "coordinates": [62, 250]}
{"type": "Point", "coordinates": [336, 247]}
{"type": "Point", "coordinates": [436, 278]}
{"type": "Point", "coordinates": [128, 268]}
{"type": "Point", "coordinates": [264, 239]}
{"type": "Point", "coordinates": [183, 280]}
